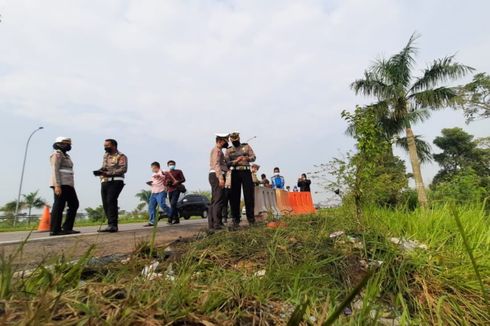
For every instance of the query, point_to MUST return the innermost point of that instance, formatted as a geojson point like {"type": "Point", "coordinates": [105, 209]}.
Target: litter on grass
{"type": "Point", "coordinates": [149, 272]}
{"type": "Point", "coordinates": [409, 245]}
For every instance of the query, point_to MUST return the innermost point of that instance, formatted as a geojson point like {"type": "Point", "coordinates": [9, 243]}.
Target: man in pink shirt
{"type": "Point", "coordinates": [158, 194]}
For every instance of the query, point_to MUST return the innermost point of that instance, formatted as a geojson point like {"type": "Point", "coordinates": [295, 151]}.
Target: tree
{"type": "Point", "coordinates": [404, 99]}
{"type": "Point", "coordinates": [475, 98]}
{"type": "Point", "coordinates": [144, 197]}
{"type": "Point", "coordinates": [32, 200]}
{"type": "Point", "coordinates": [461, 152]}
{"type": "Point", "coordinates": [95, 214]}
{"type": "Point", "coordinates": [9, 209]}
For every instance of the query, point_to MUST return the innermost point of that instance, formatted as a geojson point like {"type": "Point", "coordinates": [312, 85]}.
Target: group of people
{"type": "Point", "coordinates": [111, 174]}
{"type": "Point", "coordinates": [232, 168]}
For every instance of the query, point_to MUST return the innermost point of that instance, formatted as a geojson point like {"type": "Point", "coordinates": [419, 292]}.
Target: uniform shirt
{"type": "Point", "coordinates": [172, 175]}
{"type": "Point", "coordinates": [217, 162]}
{"type": "Point", "coordinates": [61, 170]}
{"type": "Point", "coordinates": [232, 153]}
{"type": "Point", "coordinates": [158, 182]}
{"type": "Point", "coordinates": [114, 165]}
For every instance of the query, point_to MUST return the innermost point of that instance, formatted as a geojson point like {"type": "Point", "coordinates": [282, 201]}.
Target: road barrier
{"type": "Point", "coordinates": [301, 202]}
{"type": "Point", "coordinates": [45, 220]}
{"type": "Point", "coordinates": [283, 203]}
{"type": "Point", "coordinates": [265, 202]}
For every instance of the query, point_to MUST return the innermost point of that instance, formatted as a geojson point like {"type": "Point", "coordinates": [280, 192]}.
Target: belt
{"type": "Point", "coordinates": [240, 168]}
{"type": "Point", "coordinates": [214, 171]}
{"type": "Point", "coordinates": [111, 179]}
{"type": "Point", "coordinates": [66, 171]}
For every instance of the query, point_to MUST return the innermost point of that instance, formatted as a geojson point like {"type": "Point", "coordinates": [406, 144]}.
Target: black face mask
{"type": "Point", "coordinates": [108, 149]}
{"type": "Point", "coordinates": [236, 143]}
{"type": "Point", "coordinates": [67, 147]}
{"type": "Point", "coordinates": [62, 147]}
{"type": "Point", "coordinates": [226, 145]}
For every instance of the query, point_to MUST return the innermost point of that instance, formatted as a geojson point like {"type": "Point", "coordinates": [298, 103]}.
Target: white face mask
{"type": "Point", "coordinates": [276, 173]}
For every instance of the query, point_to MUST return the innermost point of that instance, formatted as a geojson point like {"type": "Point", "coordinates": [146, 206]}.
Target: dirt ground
{"type": "Point", "coordinates": [35, 252]}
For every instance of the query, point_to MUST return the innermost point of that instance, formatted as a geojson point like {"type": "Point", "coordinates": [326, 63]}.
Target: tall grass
{"type": "Point", "coordinates": [259, 275]}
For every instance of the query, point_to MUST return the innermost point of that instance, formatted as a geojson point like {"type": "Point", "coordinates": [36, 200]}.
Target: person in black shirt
{"type": "Point", "coordinates": [304, 183]}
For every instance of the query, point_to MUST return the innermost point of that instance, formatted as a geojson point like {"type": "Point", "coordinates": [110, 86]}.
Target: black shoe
{"type": "Point", "coordinates": [58, 233]}
{"type": "Point", "coordinates": [110, 229]}
{"type": "Point", "coordinates": [71, 232]}
{"type": "Point", "coordinates": [148, 225]}
{"type": "Point", "coordinates": [176, 222]}
{"type": "Point", "coordinates": [218, 227]}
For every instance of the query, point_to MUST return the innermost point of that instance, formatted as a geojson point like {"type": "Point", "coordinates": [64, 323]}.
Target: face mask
{"type": "Point", "coordinates": [108, 149]}
{"type": "Point", "coordinates": [226, 145]}
{"type": "Point", "coordinates": [236, 143]}
{"type": "Point", "coordinates": [276, 173]}
{"type": "Point", "coordinates": [67, 147]}
{"type": "Point", "coordinates": [171, 167]}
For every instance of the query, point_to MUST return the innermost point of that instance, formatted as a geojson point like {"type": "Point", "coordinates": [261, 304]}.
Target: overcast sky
{"type": "Point", "coordinates": [163, 76]}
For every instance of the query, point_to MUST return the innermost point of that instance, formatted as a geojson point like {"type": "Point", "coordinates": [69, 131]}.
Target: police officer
{"type": "Point", "coordinates": [114, 166]}
{"type": "Point", "coordinates": [63, 184]}
{"type": "Point", "coordinates": [238, 157]}
{"type": "Point", "coordinates": [217, 173]}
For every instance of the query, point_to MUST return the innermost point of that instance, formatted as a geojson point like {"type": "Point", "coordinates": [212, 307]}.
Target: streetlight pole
{"type": "Point", "coordinates": [22, 174]}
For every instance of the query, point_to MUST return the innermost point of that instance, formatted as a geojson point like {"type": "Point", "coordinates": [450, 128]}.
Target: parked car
{"type": "Point", "coordinates": [193, 205]}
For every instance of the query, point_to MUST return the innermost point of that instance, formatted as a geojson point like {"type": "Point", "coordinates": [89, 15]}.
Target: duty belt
{"type": "Point", "coordinates": [107, 179]}
{"type": "Point", "coordinates": [66, 171]}
{"type": "Point", "coordinates": [214, 171]}
{"type": "Point", "coordinates": [240, 168]}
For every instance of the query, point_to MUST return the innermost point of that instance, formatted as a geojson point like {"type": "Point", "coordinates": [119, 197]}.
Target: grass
{"type": "Point", "coordinates": [295, 275]}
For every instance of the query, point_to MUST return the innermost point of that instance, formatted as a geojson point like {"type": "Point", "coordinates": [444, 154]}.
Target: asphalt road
{"type": "Point", "coordinates": [20, 236]}
{"type": "Point", "coordinates": [40, 248]}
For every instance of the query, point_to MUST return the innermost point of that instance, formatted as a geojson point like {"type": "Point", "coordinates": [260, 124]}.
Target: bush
{"type": "Point", "coordinates": [463, 187]}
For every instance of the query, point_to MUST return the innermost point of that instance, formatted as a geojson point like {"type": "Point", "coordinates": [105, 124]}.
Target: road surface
{"type": "Point", "coordinates": [41, 248]}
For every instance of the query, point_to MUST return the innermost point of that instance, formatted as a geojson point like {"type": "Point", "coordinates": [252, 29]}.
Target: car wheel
{"type": "Point", "coordinates": [204, 214]}
{"type": "Point", "coordinates": [186, 217]}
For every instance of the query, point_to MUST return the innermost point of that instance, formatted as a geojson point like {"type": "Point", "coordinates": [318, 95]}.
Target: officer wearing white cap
{"type": "Point", "coordinates": [239, 156]}
{"type": "Point", "coordinates": [63, 184]}
{"type": "Point", "coordinates": [217, 173]}
{"type": "Point", "coordinates": [114, 166]}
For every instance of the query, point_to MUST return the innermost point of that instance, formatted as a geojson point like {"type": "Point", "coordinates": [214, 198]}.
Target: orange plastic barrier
{"type": "Point", "coordinates": [44, 221]}
{"type": "Point", "coordinates": [282, 202]}
{"type": "Point", "coordinates": [301, 202]}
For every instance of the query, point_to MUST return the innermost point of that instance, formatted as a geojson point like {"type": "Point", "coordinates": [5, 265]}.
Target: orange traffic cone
{"type": "Point", "coordinates": [44, 221]}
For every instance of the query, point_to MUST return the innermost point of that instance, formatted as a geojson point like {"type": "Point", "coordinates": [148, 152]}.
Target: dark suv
{"type": "Point", "coordinates": [193, 205]}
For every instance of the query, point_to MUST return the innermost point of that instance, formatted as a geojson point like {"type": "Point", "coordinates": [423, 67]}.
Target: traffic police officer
{"type": "Point", "coordinates": [238, 157]}
{"type": "Point", "coordinates": [217, 173]}
{"type": "Point", "coordinates": [114, 166]}
{"type": "Point", "coordinates": [63, 184]}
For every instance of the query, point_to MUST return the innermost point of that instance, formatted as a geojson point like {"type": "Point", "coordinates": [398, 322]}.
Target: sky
{"type": "Point", "coordinates": [162, 77]}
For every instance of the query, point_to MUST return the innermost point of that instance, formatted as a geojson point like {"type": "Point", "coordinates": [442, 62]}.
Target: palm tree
{"type": "Point", "coordinates": [404, 99]}
{"type": "Point", "coordinates": [32, 200]}
{"type": "Point", "coordinates": [144, 197]}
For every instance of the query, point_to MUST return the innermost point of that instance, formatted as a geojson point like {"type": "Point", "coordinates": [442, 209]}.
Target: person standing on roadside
{"type": "Point", "coordinates": [277, 179]}
{"type": "Point", "coordinates": [158, 195]}
{"type": "Point", "coordinates": [238, 157]}
{"type": "Point", "coordinates": [217, 173]}
{"type": "Point", "coordinates": [175, 186]}
{"type": "Point", "coordinates": [63, 185]}
{"type": "Point", "coordinates": [114, 167]}
{"type": "Point", "coordinates": [264, 181]}
{"type": "Point", "coordinates": [304, 183]}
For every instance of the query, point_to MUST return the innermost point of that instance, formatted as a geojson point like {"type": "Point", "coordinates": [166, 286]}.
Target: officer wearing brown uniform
{"type": "Point", "coordinates": [114, 166]}
{"type": "Point", "coordinates": [63, 184]}
{"type": "Point", "coordinates": [238, 157]}
{"type": "Point", "coordinates": [217, 173]}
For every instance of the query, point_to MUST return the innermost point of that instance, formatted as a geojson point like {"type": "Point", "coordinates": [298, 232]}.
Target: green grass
{"type": "Point", "coordinates": [309, 277]}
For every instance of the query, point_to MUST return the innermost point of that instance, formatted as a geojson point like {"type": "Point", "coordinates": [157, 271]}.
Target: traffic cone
{"type": "Point", "coordinates": [44, 221]}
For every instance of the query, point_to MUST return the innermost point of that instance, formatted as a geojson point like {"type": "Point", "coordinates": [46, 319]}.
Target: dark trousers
{"type": "Point", "coordinates": [68, 196]}
{"type": "Point", "coordinates": [173, 197]}
{"type": "Point", "coordinates": [239, 179]}
{"type": "Point", "coordinates": [110, 191]}
{"type": "Point", "coordinates": [225, 210]}
{"type": "Point", "coordinates": [217, 202]}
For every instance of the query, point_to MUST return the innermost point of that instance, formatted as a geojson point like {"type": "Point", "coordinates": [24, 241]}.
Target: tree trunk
{"type": "Point", "coordinates": [417, 174]}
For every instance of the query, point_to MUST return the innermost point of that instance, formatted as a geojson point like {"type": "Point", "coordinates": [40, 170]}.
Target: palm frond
{"type": "Point", "coordinates": [371, 85]}
{"type": "Point", "coordinates": [436, 98]}
{"type": "Point", "coordinates": [401, 64]}
{"type": "Point", "coordinates": [424, 150]}
{"type": "Point", "coordinates": [441, 70]}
